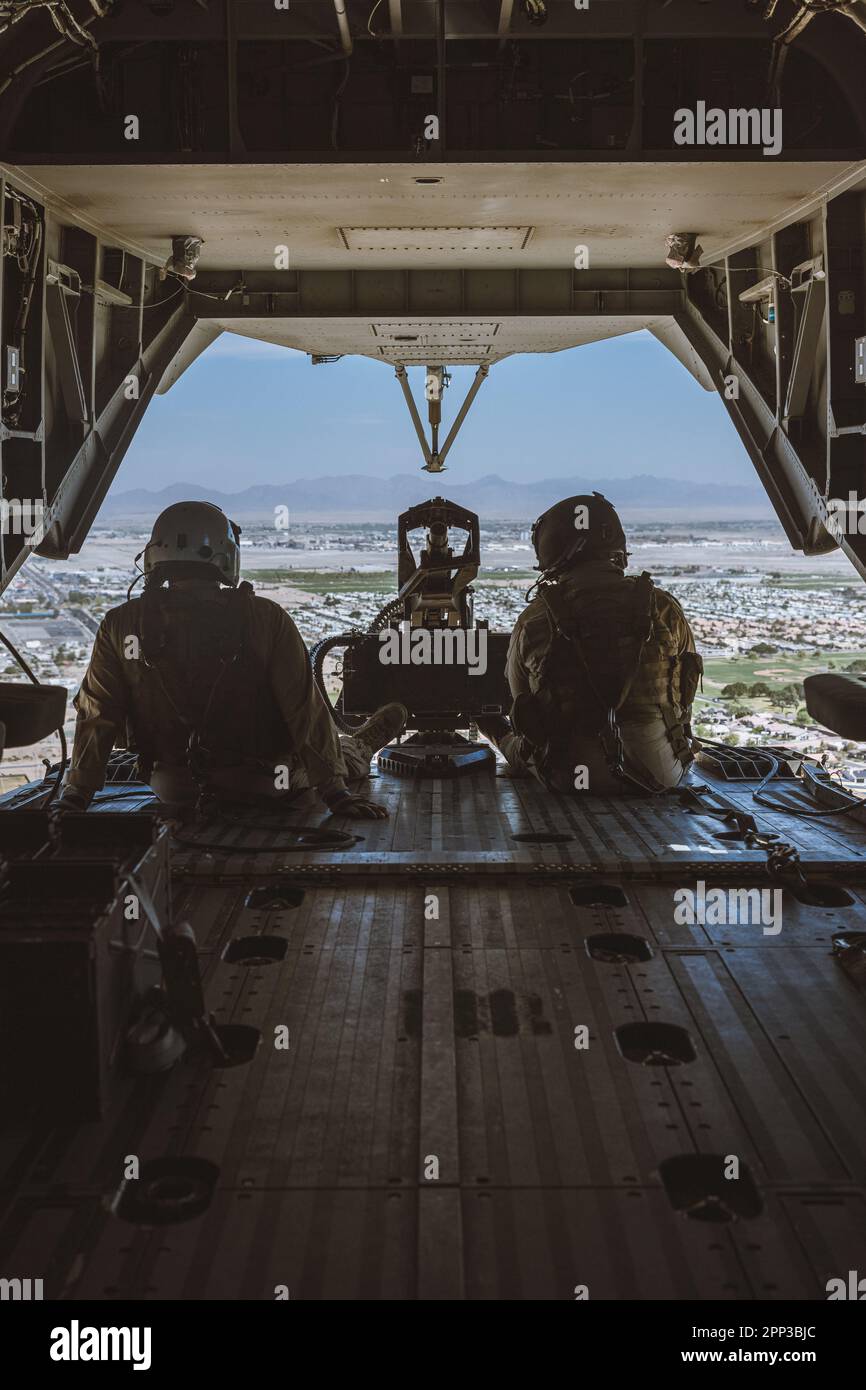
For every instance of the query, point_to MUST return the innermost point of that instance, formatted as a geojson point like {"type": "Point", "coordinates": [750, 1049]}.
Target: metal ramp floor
{"type": "Point", "coordinates": [482, 1096]}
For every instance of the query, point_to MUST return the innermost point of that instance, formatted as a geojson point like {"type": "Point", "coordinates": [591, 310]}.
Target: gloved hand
{"type": "Point", "coordinates": [359, 808]}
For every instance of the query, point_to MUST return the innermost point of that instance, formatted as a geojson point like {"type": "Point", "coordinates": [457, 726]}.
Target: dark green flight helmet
{"type": "Point", "coordinates": [577, 529]}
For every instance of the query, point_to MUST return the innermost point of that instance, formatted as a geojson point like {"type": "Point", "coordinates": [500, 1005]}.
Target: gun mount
{"type": "Point", "coordinates": [426, 649]}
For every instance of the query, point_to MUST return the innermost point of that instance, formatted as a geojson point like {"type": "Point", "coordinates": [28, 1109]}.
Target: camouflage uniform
{"type": "Point", "coordinates": [270, 713]}
{"type": "Point", "coordinates": [653, 720]}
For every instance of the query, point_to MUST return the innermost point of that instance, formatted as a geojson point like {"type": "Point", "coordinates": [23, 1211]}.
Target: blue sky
{"type": "Point", "coordinates": [247, 412]}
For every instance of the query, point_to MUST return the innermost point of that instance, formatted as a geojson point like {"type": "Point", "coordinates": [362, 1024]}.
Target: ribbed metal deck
{"type": "Point", "coordinates": [416, 1038]}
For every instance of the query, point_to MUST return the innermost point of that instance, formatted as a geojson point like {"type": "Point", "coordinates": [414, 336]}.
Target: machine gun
{"type": "Point", "coordinates": [426, 649]}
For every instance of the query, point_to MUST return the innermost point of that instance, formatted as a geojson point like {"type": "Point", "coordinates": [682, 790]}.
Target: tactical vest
{"type": "Point", "coordinates": [201, 697]}
{"type": "Point", "coordinates": [610, 660]}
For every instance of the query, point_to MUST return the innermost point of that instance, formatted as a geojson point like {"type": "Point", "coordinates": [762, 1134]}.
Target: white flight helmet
{"type": "Point", "coordinates": [194, 536]}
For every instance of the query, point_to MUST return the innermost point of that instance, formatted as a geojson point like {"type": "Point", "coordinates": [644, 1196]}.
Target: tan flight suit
{"type": "Point", "coordinates": [651, 719]}
{"type": "Point", "coordinates": [114, 699]}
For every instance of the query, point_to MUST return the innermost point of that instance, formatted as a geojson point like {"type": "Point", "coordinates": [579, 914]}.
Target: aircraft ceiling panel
{"type": "Point", "coordinates": [435, 239]}
{"type": "Point", "coordinates": [327, 337]}
{"type": "Point", "coordinates": [450, 355]}
{"type": "Point", "coordinates": [457, 331]}
{"type": "Point", "coordinates": [621, 212]}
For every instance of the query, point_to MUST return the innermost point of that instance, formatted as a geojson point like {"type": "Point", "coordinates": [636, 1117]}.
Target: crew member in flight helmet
{"type": "Point", "coordinates": [213, 686]}
{"type": "Point", "coordinates": [602, 667]}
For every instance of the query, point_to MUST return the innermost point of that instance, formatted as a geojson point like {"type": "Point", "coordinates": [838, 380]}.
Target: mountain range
{"type": "Point", "coordinates": [355, 496]}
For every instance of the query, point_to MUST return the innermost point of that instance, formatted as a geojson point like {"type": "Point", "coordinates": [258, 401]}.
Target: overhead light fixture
{"type": "Point", "coordinates": [407, 240]}
{"type": "Point", "coordinates": [185, 253]}
{"type": "Point", "coordinates": [681, 253]}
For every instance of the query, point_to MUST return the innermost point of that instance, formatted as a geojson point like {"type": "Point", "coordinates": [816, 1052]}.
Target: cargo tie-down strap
{"type": "Point", "coordinates": [783, 859]}
{"type": "Point", "coordinates": [150, 912]}
{"type": "Point", "coordinates": [178, 955]}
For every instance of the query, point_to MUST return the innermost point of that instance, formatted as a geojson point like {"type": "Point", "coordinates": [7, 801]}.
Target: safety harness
{"type": "Point", "coordinates": [230, 641]}
{"type": "Point", "coordinates": [586, 677]}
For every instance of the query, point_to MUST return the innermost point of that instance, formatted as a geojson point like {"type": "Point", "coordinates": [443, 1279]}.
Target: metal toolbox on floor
{"type": "Point", "coordinates": [76, 949]}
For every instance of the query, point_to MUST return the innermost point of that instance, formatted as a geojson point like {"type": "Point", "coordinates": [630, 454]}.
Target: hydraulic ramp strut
{"type": "Point", "coordinates": [437, 380]}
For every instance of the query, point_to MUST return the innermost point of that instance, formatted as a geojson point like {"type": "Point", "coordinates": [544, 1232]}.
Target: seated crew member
{"type": "Point", "coordinates": [602, 667]}
{"type": "Point", "coordinates": [213, 686]}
